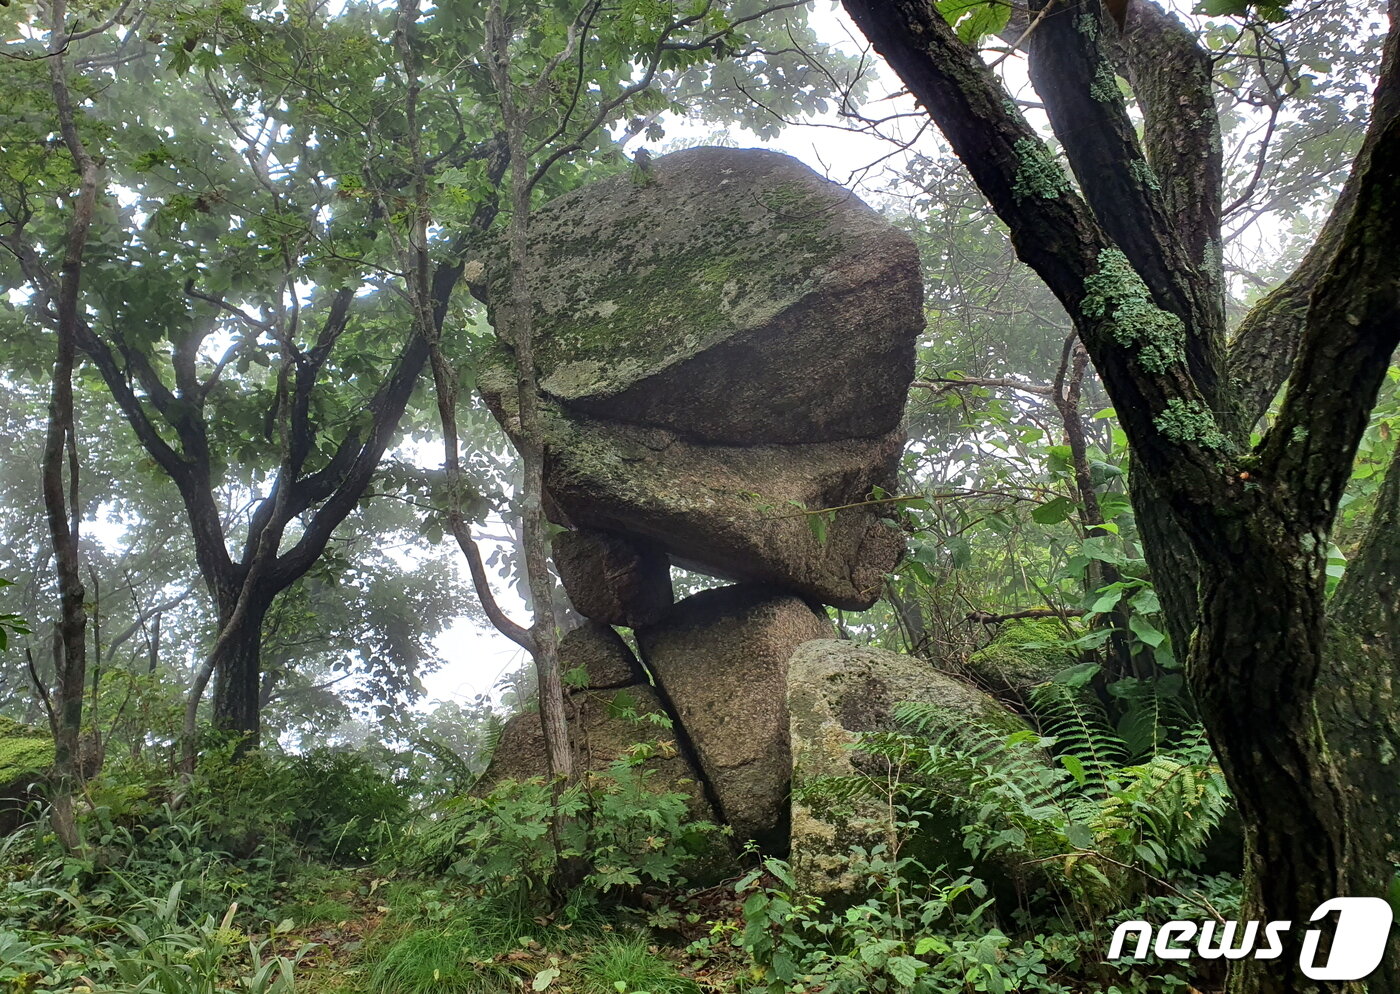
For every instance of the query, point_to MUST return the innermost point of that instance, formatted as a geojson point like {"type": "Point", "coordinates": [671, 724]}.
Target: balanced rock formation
{"type": "Point", "coordinates": [837, 690]}
{"type": "Point", "coordinates": [722, 345]}
{"type": "Point", "coordinates": [720, 658]}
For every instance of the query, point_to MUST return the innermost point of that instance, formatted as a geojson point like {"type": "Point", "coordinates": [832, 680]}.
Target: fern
{"type": "Point", "coordinates": [1155, 712]}
{"type": "Point", "coordinates": [457, 772]}
{"type": "Point", "coordinates": [1084, 737]}
{"type": "Point", "coordinates": [1066, 807]}
{"type": "Point", "coordinates": [1163, 812]}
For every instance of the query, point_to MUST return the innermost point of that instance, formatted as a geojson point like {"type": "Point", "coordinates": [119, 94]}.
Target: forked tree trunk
{"type": "Point", "coordinates": [1300, 706]}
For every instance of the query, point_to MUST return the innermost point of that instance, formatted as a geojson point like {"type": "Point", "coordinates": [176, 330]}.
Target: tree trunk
{"type": "Point", "coordinates": [238, 677]}
{"type": "Point", "coordinates": [61, 504]}
{"type": "Point", "coordinates": [1302, 717]}
{"type": "Point", "coordinates": [1300, 709]}
{"type": "Point", "coordinates": [1169, 556]}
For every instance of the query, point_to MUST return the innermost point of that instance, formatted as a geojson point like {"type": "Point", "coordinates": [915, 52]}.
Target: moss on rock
{"type": "Point", "coordinates": [26, 753]}
{"type": "Point", "coordinates": [1023, 653]}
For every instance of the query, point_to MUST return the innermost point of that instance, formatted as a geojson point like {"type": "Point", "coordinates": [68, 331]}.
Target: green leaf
{"type": "Point", "coordinates": [1078, 835]}
{"type": "Point", "coordinates": [932, 944]}
{"type": "Point", "coordinates": [1053, 512]}
{"type": "Point", "coordinates": [975, 19]}
{"type": "Point", "coordinates": [1145, 631]}
{"type": "Point", "coordinates": [904, 970]}
{"type": "Point", "coordinates": [544, 978]}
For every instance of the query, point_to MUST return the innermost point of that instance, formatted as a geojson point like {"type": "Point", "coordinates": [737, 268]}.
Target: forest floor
{"type": "Point", "coordinates": [356, 926]}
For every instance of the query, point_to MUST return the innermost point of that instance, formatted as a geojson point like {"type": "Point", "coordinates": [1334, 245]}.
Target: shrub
{"type": "Point", "coordinates": [628, 835]}
{"type": "Point", "coordinates": [347, 809]}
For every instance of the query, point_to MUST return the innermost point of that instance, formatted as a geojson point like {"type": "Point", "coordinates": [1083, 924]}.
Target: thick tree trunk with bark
{"type": "Point", "coordinates": [1299, 702]}
{"type": "Point", "coordinates": [238, 673]}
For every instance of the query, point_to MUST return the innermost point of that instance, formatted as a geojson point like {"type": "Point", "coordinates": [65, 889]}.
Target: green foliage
{"type": "Point", "coordinates": [1066, 809]}
{"type": "Point", "coordinates": [630, 835]}
{"type": "Point", "coordinates": [10, 624]}
{"type": "Point", "coordinates": [1086, 834]}
{"type": "Point", "coordinates": [337, 804]}
{"type": "Point", "coordinates": [452, 948]}
{"type": "Point", "coordinates": [915, 933]}
{"type": "Point", "coordinates": [630, 963]}
{"type": "Point", "coordinates": [938, 933]}
{"type": "Point", "coordinates": [975, 19]}
{"type": "Point", "coordinates": [210, 956]}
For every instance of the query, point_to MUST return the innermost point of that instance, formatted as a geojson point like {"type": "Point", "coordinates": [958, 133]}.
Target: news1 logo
{"type": "Point", "coordinates": [1358, 943]}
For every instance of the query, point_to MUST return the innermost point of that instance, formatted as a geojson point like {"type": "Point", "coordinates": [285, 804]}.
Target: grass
{"type": "Point", "coordinates": [456, 955]}
{"type": "Point", "coordinates": [315, 911]}
{"type": "Point", "coordinates": [629, 963]}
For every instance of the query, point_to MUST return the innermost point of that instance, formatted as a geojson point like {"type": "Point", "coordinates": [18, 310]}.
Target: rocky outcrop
{"type": "Point", "coordinates": [600, 659]}
{"type": "Point", "coordinates": [720, 347]}
{"type": "Point", "coordinates": [720, 658]}
{"type": "Point", "coordinates": [836, 691]}
{"type": "Point", "coordinates": [612, 578]}
{"type": "Point", "coordinates": [1023, 653]}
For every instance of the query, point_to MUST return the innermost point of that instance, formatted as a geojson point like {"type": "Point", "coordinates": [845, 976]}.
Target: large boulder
{"type": "Point", "coordinates": [607, 713]}
{"type": "Point", "coordinates": [837, 690]}
{"type": "Point", "coordinates": [720, 345]}
{"type": "Point", "coordinates": [720, 657]}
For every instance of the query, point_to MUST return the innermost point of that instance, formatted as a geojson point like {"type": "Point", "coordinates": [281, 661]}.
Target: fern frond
{"type": "Point", "coordinates": [1163, 811]}
{"type": "Point", "coordinates": [1155, 711]}
{"type": "Point", "coordinates": [456, 769]}
{"type": "Point", "coordinates": [1077, 721]}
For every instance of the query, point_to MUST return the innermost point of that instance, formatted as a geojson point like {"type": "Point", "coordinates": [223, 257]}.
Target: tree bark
{"type": "Point", "coordinates": [63, 511]}
{"type": "Point", "coordinates": [238, 674]}
{"type": "Point", "coordinates": [518, 311]}
{"type": "Point", "coordinates": [1303, 722]}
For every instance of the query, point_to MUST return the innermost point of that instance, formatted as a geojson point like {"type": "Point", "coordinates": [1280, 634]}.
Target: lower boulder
{"type": "Point", "coordinates": [608, 719]}
{"type": "Point", "coordinates": [838, 690]}
{"type": "Point", "coordinates": [720, 658]}
{"type": "Point", "coordinates": [613, 578]}
{"type": "Point", "coordinates": [1024, 652]}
